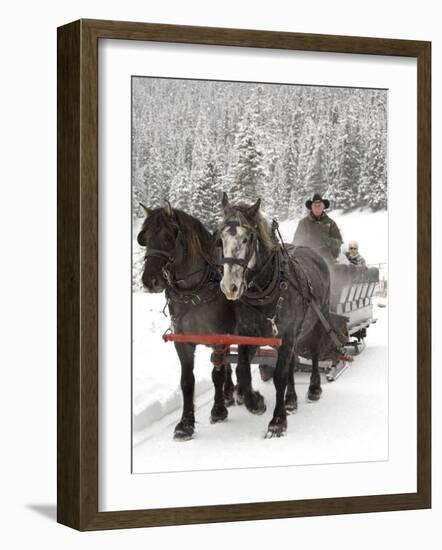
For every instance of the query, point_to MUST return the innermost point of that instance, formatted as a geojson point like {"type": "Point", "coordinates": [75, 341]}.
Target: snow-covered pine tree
{"type": "Point", "coordinates": [294, 184]}
{"type": "Point", "coordinates": [248, 173]}
{"type": "Point", "coordinates": [153, 182]}
{"type": "Point", "coordinates": [306, 150]}
{"type": "Point", "coordinates": [288, 178]}
{"type": "Point", "coordinates": [277, 206]}
{"type": "Point", "coordinates": [316, 175]}
{"type": "Point", "coordinates": [207, 194]}
{"type": "Point", "coordinates": [373, 188]}
{"type": "Point", "coordinates": [272, 192]}
{"type": "Point", "coordinates": [344, 192]}
{"type": "Point", "coordinates": [261, 135]}
{"type": "Point", "coordinates": [139, 193]}
{"type": "Point", "coordinates": [180, 192]}
{"type": "Point", "coordinates": [333, 151]}
{"type": "Point", "coordinates": [206, 174]}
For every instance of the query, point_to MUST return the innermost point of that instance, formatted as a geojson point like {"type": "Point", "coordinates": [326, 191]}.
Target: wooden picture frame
{"type": "Point", "coordinates": [77, 224]}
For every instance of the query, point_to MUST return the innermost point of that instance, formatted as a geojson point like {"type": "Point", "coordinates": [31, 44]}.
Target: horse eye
{"type": "Point", "coordinates": [245, 240]}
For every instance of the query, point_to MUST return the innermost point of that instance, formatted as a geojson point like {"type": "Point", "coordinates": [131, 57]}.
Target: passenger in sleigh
{"type": "Point", "coordinates": [318, 231]}
{"type": "Point", "coordinates": [353, 255]}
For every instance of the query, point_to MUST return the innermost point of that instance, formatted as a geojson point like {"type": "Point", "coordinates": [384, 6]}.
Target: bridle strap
{"type": "Point", "coordinates": [235, 261]}
{"type": "Point", "coordinates": [243, 262]}
{"type": "Point", "coordinates": [156, 252]}
{"type": "Point", "coordinates": [163, 253]}
{"type": "Point", "coordinates": [171, 260]}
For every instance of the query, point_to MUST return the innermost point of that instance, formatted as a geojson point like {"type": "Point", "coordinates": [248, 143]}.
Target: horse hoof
{"type": "Point", "coordinates": [291, 402]}
{"type": "Point", "coordinates": [291, 405]}
{"type": "Point", "coordinates": [277, 428]}
{"type": "Point", "coordinates": [255, 403]}
{"type": "Point", "coordinates": [218, 414]}
{"type": "Point", "coordinates": [183, 431]}
{"type": "Point", "coordinates": [239, 399]}
{"type": "Point", "coordinates": [182, 436]}
{"type": "Point", "coordinates": [314, 394]}
{"type": "Point", "coordinates": [229, 400]}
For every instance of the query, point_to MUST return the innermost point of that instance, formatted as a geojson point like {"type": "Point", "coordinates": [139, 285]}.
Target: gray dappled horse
{"type": "Point", "coordinates": [272, 295]}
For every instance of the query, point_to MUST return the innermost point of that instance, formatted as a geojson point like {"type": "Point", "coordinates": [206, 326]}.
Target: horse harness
{"type": "Point", "coordinates": [205, 291]}
{"type": "Point", "coordinates": [208, 287]}
{"type": "Point", "coordinates": [281, 277]}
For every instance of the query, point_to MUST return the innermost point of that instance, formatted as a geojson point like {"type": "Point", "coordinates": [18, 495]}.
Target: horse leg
{"type": "Point", "coordinates": [229, 387]}
{"type": "Point", "coordinates": [239, 396]}
{"type": "Point", "coordinates": [219, 410]}
{"type": "Point", "coordinates": [186, 426]}
{"type": "Point", "coordinates": [314, 390]}
{"type": "Point", "coordinates": [278, 424]}
{"type": "Point", "coordinates": [253, 400]}
{"type": "Point", "coordinates": [291, 399]}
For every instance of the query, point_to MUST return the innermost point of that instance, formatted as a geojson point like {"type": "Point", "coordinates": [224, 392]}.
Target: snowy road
{"type": "Point", "coordinates": [348, 424]}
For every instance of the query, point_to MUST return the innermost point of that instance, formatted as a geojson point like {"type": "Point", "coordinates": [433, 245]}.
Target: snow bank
{"type": "Point", "coordinates": [156, 368]}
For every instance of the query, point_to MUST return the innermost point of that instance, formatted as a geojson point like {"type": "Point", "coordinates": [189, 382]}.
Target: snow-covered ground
{"type": "Point", "coordinates": [349, 423]}
{"type": "Point", "coordinates": [156, 368]}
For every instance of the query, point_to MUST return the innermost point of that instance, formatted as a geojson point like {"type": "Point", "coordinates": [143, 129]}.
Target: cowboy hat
{"type": "Point", "coordinates": [317, 198]}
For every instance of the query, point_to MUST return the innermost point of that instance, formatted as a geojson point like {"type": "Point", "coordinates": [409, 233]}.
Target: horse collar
{"type": "Point", "coordinates": [273, 288]}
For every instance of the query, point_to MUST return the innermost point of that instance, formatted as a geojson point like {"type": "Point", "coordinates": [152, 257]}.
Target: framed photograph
{"type": "Point", "coordinates": [244, 239]}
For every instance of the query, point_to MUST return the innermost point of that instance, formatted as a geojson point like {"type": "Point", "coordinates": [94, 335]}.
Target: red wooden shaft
{"type": "Point", "coordinates": [224, 339]}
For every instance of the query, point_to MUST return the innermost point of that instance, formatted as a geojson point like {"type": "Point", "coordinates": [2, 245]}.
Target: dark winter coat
{"type": "Point", "coordinates": [321, 234]}
{"type": "Point", "coordinates": [356, 260]}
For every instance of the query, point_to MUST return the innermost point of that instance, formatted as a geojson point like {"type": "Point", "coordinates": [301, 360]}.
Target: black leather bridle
{"type": "Point", "coordinates": [243, 262]}
{"type": "Point", "coordinates": [171, 260]}
{"type": "Point", "coordinates": [252, 249]}
{"type": "Point", "coordinates": [169, 256]}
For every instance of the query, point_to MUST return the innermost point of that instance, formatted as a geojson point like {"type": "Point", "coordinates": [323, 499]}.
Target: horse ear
{"type": "Point", "coordinates": [225, 201]}
{"type": "Point", "coordinates": [168, 208]}
{"type": "Point", "coordinates": [253, 210]}
{"type": "Point", "coordinates": [146, 210]}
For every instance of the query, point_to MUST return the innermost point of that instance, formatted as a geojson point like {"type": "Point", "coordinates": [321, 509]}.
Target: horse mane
{"type": "Point", "coordinates": [196, 238]}
{"type": "Point", "coordinates": [259, 222]}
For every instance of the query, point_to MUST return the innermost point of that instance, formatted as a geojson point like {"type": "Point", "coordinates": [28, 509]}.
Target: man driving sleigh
{"type": "Point", "coordinates": [318, 231]}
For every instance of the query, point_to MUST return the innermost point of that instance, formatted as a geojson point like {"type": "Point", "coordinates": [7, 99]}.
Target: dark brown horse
{"type": "Point", "coordinates": [180, 260]}
{"type": "Point", "coordinates": [272, 292]}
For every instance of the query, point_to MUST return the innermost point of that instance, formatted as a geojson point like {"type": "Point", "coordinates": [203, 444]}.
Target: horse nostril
{"type": "Point", "coordinates": [154, 281]}
{"type": "Point", "coordinates": [233, 288]}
